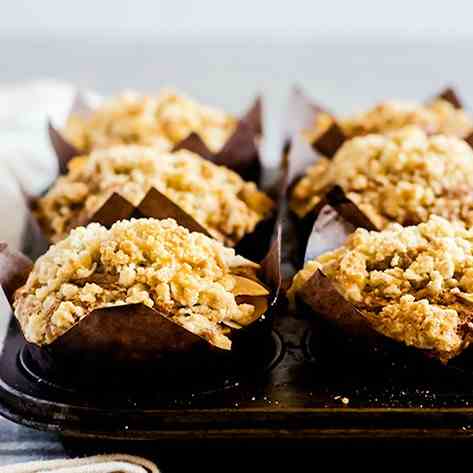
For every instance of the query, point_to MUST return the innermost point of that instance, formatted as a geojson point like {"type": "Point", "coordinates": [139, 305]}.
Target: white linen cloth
{"type": "Point", "coordinates": [27, 162]}
{"type": "Point", "coordinates": [112, 463]}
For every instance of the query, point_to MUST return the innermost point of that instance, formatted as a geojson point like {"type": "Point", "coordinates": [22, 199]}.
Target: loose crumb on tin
{"type": "Point", "coordinates": [343, 399]}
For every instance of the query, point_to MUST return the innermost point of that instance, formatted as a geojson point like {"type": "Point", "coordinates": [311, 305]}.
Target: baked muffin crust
{"type": "Point", "coordinates": [436, 117]}
{"type": "Point", "coordinates": [222, 202]}
{"type": "Point", "coordinates": [187, 276]}
{"type": "Point", "coordinates": [162, 121]}
{"type": "Point", "coordinates": [404, 176]}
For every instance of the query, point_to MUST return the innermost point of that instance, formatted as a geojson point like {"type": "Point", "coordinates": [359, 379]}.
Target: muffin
{"type": "Point", "coordinates": [161, 121]}
{"type": "Point", "coordinates": [216, 197]}
{"type": "Point", "coordinates": [187, 277]}
{"type": "Point", "coordinates": [404, 176]}
{"type": "Point", "coordinates": [440, 116]}
{"type": "Point", "coordinates": [411, 284]}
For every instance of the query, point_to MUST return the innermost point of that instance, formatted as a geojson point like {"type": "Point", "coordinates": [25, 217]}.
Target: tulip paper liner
{"type": "Point", "coordinates": [334, 200]}
{"type": "Point", "coordinates": [327, 307]}
{"type": "Point", "coordinates": [240, 152]}
{"type": "Point", "coordinates": [133, 337]}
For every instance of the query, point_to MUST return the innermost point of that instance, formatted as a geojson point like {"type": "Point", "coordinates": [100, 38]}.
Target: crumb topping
{"type": "Point", "coordinates": [162, 121]}
{"type": "Point", "coordinates": [402, 177]}
{"type": "Point", "coordinates": [413, 284]}
{"type": "Point", "coordinates": [187, 276]}
{"type": "Point", "coordinates": [437, 117]}
{"type": "Point", "coordinates": [222, 202]}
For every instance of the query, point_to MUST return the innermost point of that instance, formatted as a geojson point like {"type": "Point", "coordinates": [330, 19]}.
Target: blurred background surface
{"type": "Point", "coordinates": [346, 53]}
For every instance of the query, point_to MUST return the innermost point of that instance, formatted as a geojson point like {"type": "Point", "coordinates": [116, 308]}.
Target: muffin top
{"type": "Point", "coordinates": [162, 121]}
{"type": "Point", "coordinates": [436, 117]}
{"type": "Point", "coordinates": [226, 205]}
{"type": "Point", "coordinates": [403, 177]}
{"type": "Point", "coordinates": [189, 277]}
{"type": "Point", "coordinates": [413, 284]}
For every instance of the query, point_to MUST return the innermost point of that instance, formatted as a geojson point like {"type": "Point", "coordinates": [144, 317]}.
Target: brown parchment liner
{"type": "Point", "coordinates": [325, 303]}
{"type": "Point", "coordinates": [336, 216]}
{"type": "Point", "coordinates": [301, 114]}
{"type": "Point", "coordinates": [240, 152]}
{"type": "Point", "coordinates": [335, 198]}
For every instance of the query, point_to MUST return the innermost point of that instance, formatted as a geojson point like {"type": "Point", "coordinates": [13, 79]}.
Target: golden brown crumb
{"type": "Point", "coordinates": [161, 121]}
{"type": "Point", "coordinates": [403, 177]}
{"type": "Point", "coordinates": [437, 117]}
{"type": "Point", "coordinates": [185, 275]}
{"type": "Point", "coordinates": [413, 284]}
{"type": "Point", "coordinates": [216, 197]}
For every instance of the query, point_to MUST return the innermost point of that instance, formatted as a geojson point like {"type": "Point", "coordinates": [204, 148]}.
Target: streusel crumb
{"type": "Point", "coordinates": [403, 177]}
{"type": "Point", "coordinates": [437, 117]}
{"type": "Point", "coordinates": [413, 284]}
{"type": "Point", "coordinates": [187, 276]}
{"type": "Point", "coordinates": [162, 121]}
{"type": "Point", "coordinates": [226, 205]}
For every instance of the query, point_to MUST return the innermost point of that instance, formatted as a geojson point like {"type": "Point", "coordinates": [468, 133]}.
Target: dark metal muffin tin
{"type": "Point", "coordinates": [291, 385]}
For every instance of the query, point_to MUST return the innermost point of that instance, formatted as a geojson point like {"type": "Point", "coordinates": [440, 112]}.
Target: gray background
{"type": "Point", "coordinates": [346, 53]}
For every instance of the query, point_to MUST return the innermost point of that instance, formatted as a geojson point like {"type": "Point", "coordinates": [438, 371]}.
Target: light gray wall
{"type": "Point", "coordinates": [347, 53]}
{"type": "Point", "coordinates": [264, 17]}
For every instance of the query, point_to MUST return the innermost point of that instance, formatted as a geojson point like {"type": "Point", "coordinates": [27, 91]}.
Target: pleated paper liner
{"type": "Point", "coordinates": [340, 331]}
{"type": "Point", "coordinates": [143, 342]}
{"type": "Point", "coordinates": [322, 215]}
{"type": "Point", "coordinates": [301, 115]}
{"type": "Point", "coordinates": [240, 152]}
